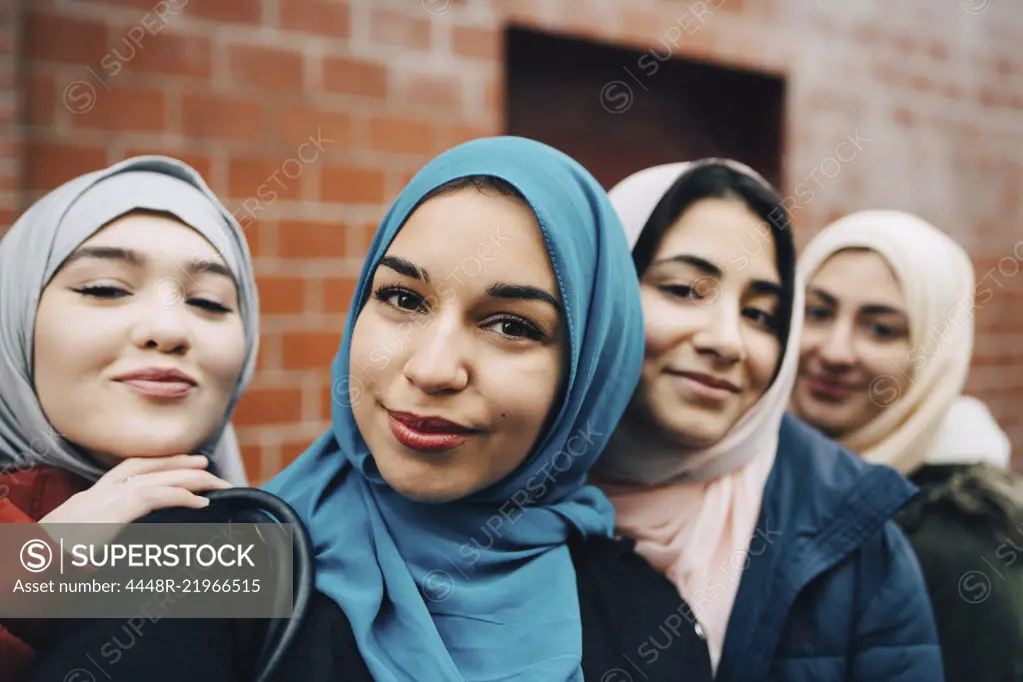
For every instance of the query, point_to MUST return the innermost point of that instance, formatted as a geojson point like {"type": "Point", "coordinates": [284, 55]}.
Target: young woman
{"type": "Point", "coordinates": [493, 342]}
{"type": "Point", "coordinates": [778, 542]}
{"type": "Point", "coordinates": [129, 332]}
{"type": "Point", "coordinates": [883, 366]}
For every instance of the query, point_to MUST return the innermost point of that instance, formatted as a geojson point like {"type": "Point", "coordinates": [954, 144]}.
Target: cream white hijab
{"type": "Point", "coordinates": [693, 512]}
{"type": "Point", "coordinates": [42, 239]}
{"type": "Point", "coordinates": [937, 280]}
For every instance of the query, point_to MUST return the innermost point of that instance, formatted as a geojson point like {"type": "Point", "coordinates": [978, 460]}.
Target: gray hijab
{"type": "Point", "coordinates": [39, 243]}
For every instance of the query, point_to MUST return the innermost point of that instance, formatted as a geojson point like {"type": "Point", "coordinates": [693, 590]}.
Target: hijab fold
{"type": "Point", "coordinates": [936, 277]}
{"type": "Point", "coordinates": [693, 512]}
{"type": "Point", "coordinates": [424, 599]}
{"type": "Point", "coordinates": [34, 250]}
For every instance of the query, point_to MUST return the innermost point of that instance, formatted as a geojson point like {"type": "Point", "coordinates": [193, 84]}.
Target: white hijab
{"type": "Point", "coordinates": [936, 277]}
{"type": "Point", "coordinates": [39, 243]}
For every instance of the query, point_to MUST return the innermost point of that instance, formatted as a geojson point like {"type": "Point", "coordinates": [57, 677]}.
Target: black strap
{"type": "Point", "coordinates": [281, 632]}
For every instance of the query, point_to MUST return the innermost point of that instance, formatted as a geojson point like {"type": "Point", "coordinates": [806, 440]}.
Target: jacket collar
{"type": "Point", "coordinates": [820, 504]}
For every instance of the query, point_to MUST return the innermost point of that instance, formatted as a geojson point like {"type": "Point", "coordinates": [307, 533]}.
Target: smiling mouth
{"type": "Point", "coordinates": [828, 390]}
{"type": "Point", "coordinates": [429, 435]}
{"type": "Point", "coordinates": [704, 388]}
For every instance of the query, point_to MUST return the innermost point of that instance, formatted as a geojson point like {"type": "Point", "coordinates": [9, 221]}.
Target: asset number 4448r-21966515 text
{"type": "Point", "coordinates": [194, 585]}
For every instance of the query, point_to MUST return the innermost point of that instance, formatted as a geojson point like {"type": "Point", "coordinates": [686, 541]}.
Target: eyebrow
{"type": "Point", "coordinates": [869, 309]}
{"type": "Point", "coordinates": [404, 267]}
{"type": "Point", "coordinates": [700, 264]}
{"type": "Point", "coordinates": [761, 286]}
{"type": "Point", "coordinates": [523, 292]}
{"type": "Point", "coordinates": [137, 259]}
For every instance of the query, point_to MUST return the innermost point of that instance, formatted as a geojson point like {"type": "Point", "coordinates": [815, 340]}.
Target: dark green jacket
{"type": "Point", "coordinates": [973, 565]}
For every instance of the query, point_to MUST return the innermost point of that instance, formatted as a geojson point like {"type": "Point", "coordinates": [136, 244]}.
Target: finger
{"type": "Point", "coordinates": [147, 500]}
{"type": "Point", "coordinates": [138, 466]}
{"type": "Point", "coordinates": [194, 480]}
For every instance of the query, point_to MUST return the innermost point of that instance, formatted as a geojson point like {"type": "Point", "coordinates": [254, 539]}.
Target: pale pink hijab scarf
{"type": "Point", "coordinates": [693, 512]}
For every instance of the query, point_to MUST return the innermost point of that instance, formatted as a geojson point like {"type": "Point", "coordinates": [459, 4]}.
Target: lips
{"type": "Point", "coordinates": [158, 382]}
{"type": "Point", "coordinates": [828, 389]}
{"type": "Point", "coordinates": [427, 434]}
{"type": "Point", "coordinates": [705, 387]}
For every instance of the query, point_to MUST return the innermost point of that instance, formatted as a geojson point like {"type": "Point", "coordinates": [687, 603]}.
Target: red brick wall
{"type": "Point", "coordinates": [308, 116]}
{"type": "Point", "coordinates": [10, 110]}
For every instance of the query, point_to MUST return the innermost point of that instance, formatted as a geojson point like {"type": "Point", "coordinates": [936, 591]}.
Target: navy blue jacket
{"type": "Point", "coordinates": [833, 590]}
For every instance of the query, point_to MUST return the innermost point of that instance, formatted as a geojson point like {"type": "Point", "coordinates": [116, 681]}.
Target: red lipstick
{"type": "Point", "coordinates": [427, 434]}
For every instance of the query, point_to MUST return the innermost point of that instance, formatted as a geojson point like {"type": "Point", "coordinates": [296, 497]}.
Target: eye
{"type": "Point", "coordinates": [762, 318]}
{"type": "Point", "coordinates": [679, 290]}
{"type": "Point", "coordinates": [104, 291]}
{"type": "Point", "coordinates": [817, 313]}
{"type": "Point", "coordinates": [516, 327]}
{"type": "Point", "coordinates": [400, 298]}
{"type": "Point", "coordinates": [883, 331]}
{"type": "Point", "coordinates": [211, 306]}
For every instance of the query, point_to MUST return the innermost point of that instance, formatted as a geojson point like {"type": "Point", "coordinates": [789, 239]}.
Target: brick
{"type": "Point", "coordinates": [50, 37]}
{"type": "Point", "coordinates": [292, 451]}
{"type": "Point", "coordinates": [137, 4]}
{"type": "Point", "coordinates": [322, 17]}
{"type": "Point", "coordinates": [40, 98]}
{"type": "Point", "coordinates": [235, 11]}
{"type": "Point", "coordinates": [164, 52]}
{"type": "Point", "coordinates": [265, 179]}
{"type": "Point", "coordinates": [266, 67]}
{"type": "Point", "coordinates": [338, 293]}
{"type": "Point", "coordinates": [440, 91]}
{"type": "Point", "coordinates": [307, 239]}
{"type": "Point", "coordinates": [402, 135]}
{"type": "Point", "coordinates": [399, 30]}
{"type": "Point", "coordinates": [476, 43]}
{"type": "Point", "coordinates": [125, 108]}
{"type": "Point", "coordinates": [263, 406]}
{"type": "Point", "coordinates": [200, 163]}
{"type": "Point", "coordinates": [252, 459]}
{"type": "Point", "coordinates": [351, 184]}
{"type": "Point", "coordinates": [457, 134]}
{"type": "Point", "coordinates": [49, 164]}
{"type": "Point", "coordinates": [310, 350]}
{"type": "Point", "coordinates": [355, 77]}
{"type": "Point", "coordinates": [298, 123]}
{"type": "Point", "coordinates": [223, 117]}
{"type": "Point", "coordinates": [281, 295]}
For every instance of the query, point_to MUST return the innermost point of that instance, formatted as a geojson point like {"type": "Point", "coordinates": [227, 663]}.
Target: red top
{"type": "Point", "coordinates": [26, 497]}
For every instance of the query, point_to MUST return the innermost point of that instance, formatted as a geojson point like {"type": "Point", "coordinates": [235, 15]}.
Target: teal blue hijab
{"type": "Point", "coordinates": [430, 594]}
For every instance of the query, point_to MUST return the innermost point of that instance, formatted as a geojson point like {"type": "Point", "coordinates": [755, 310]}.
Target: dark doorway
{"type": "Point", "coordinates": [618, 111]}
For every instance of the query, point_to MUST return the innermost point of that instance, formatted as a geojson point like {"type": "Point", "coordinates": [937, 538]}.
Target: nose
{"type": "Point", "coordinates": [836, 349]}
{"type": "Point", "coordinates": [438, 357]}
{"type": "Point", "coordinates": [162, 322]}
{"type": "Point", "coordinates": [721, 336]}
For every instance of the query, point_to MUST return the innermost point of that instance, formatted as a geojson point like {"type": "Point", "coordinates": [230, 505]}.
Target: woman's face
{"type": "Point", "coordinates": [854, 358]}
{"type": "Point", "coordinates": [139, 342]}
{"type": "Point", "coordinates": [711, 323]}
{"type": "Point", "coordinates": [456, 358]}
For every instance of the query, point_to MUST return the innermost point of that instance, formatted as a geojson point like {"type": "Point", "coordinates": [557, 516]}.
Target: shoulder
{"type": "Point", "coordinates": [820, 483]}
{"type": "Point", "coordinates": [40, 490]}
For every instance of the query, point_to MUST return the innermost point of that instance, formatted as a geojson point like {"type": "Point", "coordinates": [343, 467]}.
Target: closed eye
{"type": "Point", "coordinates": [208, 305]}
{"type": "Point", "coordinates": [105, 291]}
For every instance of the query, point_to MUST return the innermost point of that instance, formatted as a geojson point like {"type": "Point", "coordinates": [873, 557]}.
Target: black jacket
{"type": "Point", "coordinates": [626, 606]}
